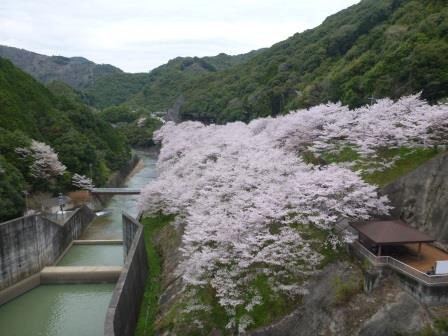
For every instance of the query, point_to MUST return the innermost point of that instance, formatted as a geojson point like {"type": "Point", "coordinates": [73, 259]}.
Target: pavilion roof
{"type": "Point", "coordinates": [391, 232]}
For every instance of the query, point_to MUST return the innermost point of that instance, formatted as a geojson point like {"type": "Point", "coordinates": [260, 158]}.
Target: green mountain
{"type": "Point", "coordinates": [376, 48]}
{"type": "Point", "coordinates": [114, 89]}
{"type": "Point", "coordinates": [28, 110]}
{"type": "Point", "coordinates": [103, 85]}
{"type": "Point", "coordinates": [167, 82]}
{"type": "Point", "coordinates": [159, 89]}
{"type": "Point", "coordinates": [77, 72]}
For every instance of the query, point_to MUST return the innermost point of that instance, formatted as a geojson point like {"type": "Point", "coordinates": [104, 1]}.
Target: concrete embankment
{"type": "Point", "coordinates": [421, 198]}
{"type": "Point", "coordinates": [62, 275]}
{"type": "Point", "coordinates": [122, 314]}
{"type": "Point", "coordinates": [28, 244]}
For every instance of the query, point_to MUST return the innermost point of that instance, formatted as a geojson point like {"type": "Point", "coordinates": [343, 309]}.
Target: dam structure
{"type": "Point", "coordinates": [67, 275]}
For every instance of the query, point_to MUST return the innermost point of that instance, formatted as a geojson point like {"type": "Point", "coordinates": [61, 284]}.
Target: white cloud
{"type": "Point", "coordinates": [139, 35]}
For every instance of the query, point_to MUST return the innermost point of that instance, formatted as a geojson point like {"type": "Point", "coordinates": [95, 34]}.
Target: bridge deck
{"type": "Point", "coordinates": [115, 191]}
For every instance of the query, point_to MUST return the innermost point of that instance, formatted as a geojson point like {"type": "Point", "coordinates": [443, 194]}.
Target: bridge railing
{"type": "Point", "coordinates": [400, 267]}
{"type": "Point", "coordinates": [116, 191]}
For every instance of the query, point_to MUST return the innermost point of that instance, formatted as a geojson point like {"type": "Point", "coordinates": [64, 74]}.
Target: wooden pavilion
{"type": "Point", "coordinates": [377, 235]}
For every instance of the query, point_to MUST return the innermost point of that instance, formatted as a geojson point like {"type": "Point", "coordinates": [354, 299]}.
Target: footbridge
{"type": "Point", "coordinates": [115, 191]}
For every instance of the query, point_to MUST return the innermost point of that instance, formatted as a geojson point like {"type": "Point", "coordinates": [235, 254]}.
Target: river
{"type": "Point", "coordinates": [78, 309]}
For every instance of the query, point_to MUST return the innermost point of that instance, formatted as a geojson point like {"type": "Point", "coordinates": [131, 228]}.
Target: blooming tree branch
{"type": "Point", "coordinates": [240, 190]}
{"type": "Point", "coordinates": [82, 182]}
{"type": "Point", "coordinates": [45, 163]}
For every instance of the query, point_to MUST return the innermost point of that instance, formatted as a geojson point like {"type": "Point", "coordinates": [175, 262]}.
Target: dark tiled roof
{"type": "Point", "coordinates": [390, 232]}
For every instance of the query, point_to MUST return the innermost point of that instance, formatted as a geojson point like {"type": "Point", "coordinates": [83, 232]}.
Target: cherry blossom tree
{"type": "Point", "coordinates": [45, 162]}
{"type": "Point", "coordinates": [244, 195]}
{"type": "Point", "coordinates": [82, 182]}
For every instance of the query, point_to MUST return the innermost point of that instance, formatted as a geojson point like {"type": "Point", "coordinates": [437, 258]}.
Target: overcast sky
{"type": "Point", "coordinates": [138, 35]}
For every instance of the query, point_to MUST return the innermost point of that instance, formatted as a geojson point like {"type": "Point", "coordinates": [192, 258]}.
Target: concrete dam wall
{"type": "Point", "coordinates": [122, 314]}
{"type": "Point", "coordinates": [30, 243]}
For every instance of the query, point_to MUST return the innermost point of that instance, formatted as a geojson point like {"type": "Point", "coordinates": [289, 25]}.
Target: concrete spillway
{"type": "Point", "coordinates": [57, 310]}
{"type": "Point", "coordinates": [79, 274]}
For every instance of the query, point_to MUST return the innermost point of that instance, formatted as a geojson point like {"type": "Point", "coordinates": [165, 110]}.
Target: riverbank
{"type": "Point", "coordinates": [154, 227]}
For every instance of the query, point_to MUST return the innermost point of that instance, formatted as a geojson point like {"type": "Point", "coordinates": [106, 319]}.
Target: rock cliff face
{"type": "Point", "coordinates": [421, 198]}
{"type": "Point", "coordinates": [387, 310]}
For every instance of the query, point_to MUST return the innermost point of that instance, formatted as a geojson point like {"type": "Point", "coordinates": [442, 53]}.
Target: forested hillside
{"type": "Point", "coordinates": [167, 82]}
{"type": "Point", "coordinates": [29, 111]}
{"type": "Point", "coordinates": [375, 49]}
{"type": "Point", "coordinates": [103, 85]}
{"type": "Point", "coordinates": [78, 72]}
{"type": "Point", "coordinates": [380, 48]}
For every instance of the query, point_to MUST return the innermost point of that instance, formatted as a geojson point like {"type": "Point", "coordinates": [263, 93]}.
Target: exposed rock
{"type": "Point", "coordinates": [403, 315]}
{"type": "Point", "coordinates": [421, 197]}
{"type": "Point", "coordinates": [173, 113]}
{"type": "Point", "coordinates": [388, 310]}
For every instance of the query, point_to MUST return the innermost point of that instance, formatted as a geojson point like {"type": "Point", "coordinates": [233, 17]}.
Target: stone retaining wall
{"type": "Point", "coordinates": [421, 198]}
{"type": "Point", "coordinates": [430, 295]}
{"type": "Point", "coordinates": [30, 243]}
{"type": "Point", "coordinates": [123, 311]}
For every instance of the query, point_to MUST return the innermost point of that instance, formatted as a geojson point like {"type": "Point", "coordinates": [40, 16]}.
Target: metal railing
{"type": "Point", "coordinates": [396, 265]}
{"type": "Point", "coordinates": [115, 191]}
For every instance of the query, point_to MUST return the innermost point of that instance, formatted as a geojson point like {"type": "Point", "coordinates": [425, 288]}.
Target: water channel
{"type": "Point", "coordinates": [78, 309]}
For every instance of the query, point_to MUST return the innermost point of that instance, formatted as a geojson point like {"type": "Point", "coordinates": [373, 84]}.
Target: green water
{"type": "Point", "coordinates": [93, 255]}
{"type": "Point", "coordinates": [57, 310]}
{"type": "Point", "coordinates": [110, 226]}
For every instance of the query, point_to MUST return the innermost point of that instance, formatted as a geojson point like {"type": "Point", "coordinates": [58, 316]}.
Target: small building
{"type": "Point", "coordinates": [405, 250]}
{"type": "Point", "coordinates": [378, 235]}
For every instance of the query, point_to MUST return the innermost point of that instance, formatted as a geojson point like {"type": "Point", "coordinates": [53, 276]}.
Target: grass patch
{"type": "Point", "coordinates": [347, 154]}
{"type": "Point", "coordinates": [274, 305]}
{"type": "Point", "coordinates": [213, 318]}
{"type": "Point", "coordinates": [318, 237]}
{"type": "Point", "coordinates": [345, 290]}
{"type": "Point", "coordinates": [148, 310]}
{"type": "Point", "coordinates": [408, 161]}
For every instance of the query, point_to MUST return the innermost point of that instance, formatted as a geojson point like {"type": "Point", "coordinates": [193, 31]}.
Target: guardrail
{"type": "Point", "coordinates": [115, 191]}
{"type": "Point", "coordinates": [400, 267]}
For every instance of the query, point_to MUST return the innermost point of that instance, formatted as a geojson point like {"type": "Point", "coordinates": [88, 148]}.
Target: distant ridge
{"type": "Point", "coordinates": [103, 85]}
{"type": "Point", "coordinates": [78, 72]}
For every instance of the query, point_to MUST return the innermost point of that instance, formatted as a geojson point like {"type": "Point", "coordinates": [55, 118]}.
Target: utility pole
{"type": "Point", "coordinates": [25, 192]}
{"type": "Point", "coordinates": [91, 173]}
{"type": "Point", "coordinates": [372, 100]}
{"type": "Point", "coordinates": [61, 202]}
